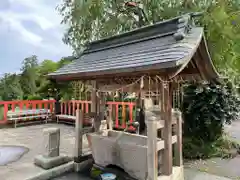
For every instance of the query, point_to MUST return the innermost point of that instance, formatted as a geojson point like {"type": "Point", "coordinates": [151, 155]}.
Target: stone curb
{"type": "Point", "coordinates": [54, 172]}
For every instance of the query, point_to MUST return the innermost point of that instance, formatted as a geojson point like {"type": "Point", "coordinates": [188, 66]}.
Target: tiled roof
{"type": "Point", "coordinates": [162, 45]}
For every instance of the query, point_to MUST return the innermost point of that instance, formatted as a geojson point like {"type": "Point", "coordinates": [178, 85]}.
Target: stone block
{"type": "Point", "coordinates": [84, 166]}
{"type": "Point", "coordinates": [50, 162]}
{"type": "Point", "coordinates": [51, 141]}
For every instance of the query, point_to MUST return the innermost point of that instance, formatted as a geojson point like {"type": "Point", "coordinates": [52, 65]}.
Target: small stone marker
{"type": "Point", "coordinates": [52, 141]}
{"type": "Point", "coordinates": [51, 157]}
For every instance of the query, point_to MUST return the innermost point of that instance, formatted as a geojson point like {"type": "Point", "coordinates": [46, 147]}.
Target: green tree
{"type": "Point", "coordinates": [43, 84]}
{"type": "Point", "coordinates": [91, 20]}
{"type": "Point", "coordinates": [46, 88]}
{"type": "Point", "coordinates": [65, 89]}
{"type": "Point", "coordinates": [32, 83]}
{"type": "Point", "coordinates": [10, 87]}
{"type": "Point", "coordinates": [29, 75]}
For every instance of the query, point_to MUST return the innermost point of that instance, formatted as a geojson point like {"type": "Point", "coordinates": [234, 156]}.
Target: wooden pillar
{"type": "Point", "coordinates": [139, 102]}
{"type": "Point", "coordinates": [178, 146]}
{"type": "Point", "coordinates": [152, 155]}
{"type": "Point", "coordinates": [78, 135]}
{"type": "Point", "coordinates": [167, 134]}
{"type": "Point", "coordinates": [95, 106]}
{"type": "Point", "coordinates": [113, 107]}
{"type": "Point", "coordinates": [162, 110]}
{"type": "Point", "coordinates": [102, 105]}
{"type": "Point", "coordinates": [109, 118]}
{"type": "Point", "coordinates": [94, 96]}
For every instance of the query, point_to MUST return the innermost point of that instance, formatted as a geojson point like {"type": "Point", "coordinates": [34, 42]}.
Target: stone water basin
{"type": "Point", "coordinates": [9, 154]}
{"type": "Point", "coordinates": [127, 151]}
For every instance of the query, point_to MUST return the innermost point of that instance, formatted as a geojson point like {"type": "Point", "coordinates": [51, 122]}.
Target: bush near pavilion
{"type": "Point", "coordinates": [206, 108]}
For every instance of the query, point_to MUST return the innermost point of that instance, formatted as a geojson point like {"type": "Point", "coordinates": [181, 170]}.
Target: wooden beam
{"type": "Point", "coordinates": [94, 96]}
{"type": "Point", "coordinates": [109, 118]}
{"type": "Point", "coordinates": [150, 70]}
{"type": "Point", "coordinates": [140, 86]}
{"type": "Point", "coordinates": [162, 108]}
{"type": "Point", "coordinates": [102, 105]}
{"type": "Point", "coordinates": [167, 166]}
{"type": "Point", "coordinates": [197, 60]}
{"type": "Point", "coordinates": [178, 146]}
{"type": "Point", "coordinates": [95, 106]}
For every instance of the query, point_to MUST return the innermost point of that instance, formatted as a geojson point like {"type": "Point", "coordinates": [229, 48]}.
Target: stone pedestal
{"type": "Point", "coordinates": [51, 157]}
{"type": "Point", "coordinates": [50, 162]}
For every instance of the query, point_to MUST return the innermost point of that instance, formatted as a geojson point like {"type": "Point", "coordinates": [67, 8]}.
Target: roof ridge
{"type": "Point", "coordinates": [178, 27]}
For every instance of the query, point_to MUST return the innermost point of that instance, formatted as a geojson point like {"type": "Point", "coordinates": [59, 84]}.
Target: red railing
{"type": "Point", "coordinates": [70, 107]}
{"type": "Point", "coordinates": [124, 113]}
{"type": "Point", "coordinates": [121, 113]}
{"type": "Point", "coordinates": [127, 109]}
{"type": "Point", "coordinates": [13, 106]}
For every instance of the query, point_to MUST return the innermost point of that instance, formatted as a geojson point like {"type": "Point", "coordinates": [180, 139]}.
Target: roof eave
{"type": "Point", "coordinates": [117, 72]}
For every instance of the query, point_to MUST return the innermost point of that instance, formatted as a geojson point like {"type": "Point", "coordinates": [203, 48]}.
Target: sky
{"type": "Point", "coordinates": [29, 27]}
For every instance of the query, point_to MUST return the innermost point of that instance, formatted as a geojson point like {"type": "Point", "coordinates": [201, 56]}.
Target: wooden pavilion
{"type": "Point", "coordinates": [157, 56]}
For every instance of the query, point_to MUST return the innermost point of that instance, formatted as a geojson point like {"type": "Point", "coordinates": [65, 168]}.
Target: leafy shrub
{"type": "Point", "coordinates": [34, 97]}
{"type": "Point", "coordinates": [206, 107]}
{"type": "Point", "coordinates": [195, 148]}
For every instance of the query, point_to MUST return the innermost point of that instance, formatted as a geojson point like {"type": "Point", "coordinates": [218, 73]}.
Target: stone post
{"type": "Point", "coordinates": [152, 155]}
{"type": "Point", "coordinates": [78, 137]}
{"type": "Point", "coordinates": [81, 162]}
{"type": "Point", "coordinates": [52, 140]}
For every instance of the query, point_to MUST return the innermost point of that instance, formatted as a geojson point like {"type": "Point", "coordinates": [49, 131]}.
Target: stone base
{"type": "Point", "coordinates": [54, 172]}
{"type": "Point", "coordinates": [177, 174]}
{"type": "Point", "coordinates": [84, 166]}
{"type": "Point", "coordinates": [50, 162]}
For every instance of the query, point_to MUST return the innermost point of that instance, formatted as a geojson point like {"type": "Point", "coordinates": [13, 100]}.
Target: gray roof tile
{"type": "Point", "coordinates": [152, 49]}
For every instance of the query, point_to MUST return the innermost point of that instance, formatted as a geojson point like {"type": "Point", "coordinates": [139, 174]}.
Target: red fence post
{"type": "Point", "coordinates": [5, 111]}
{"type": "Point", "coordinates": [65, 107]}
{"type": "Point", "coordinates": [131, 112]}
{"type": "Point", "coordinates": [87, 105]}
{"type": "Point", "coordinates": [117, 120]}
{"type": "Point", "coordinates": [74, 108]}
{"type": "Point", "coordinates": [69, 108]}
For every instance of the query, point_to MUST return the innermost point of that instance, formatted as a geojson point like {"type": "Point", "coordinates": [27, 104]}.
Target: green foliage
{"type": "Point", "coordinates": [32, 83]}
{"type": "Point", "coordinates": [10, 87]}
{"type": "Point", "coordinates": [206, 107]}
{"type": "Point", "coordinates": [29, 75]}
{"type": "Point", "coordinates": [222, 19]}
{"type": "Point", "coordinates": [223, 147]}
{"type": "Point", "coordinates": [34, 97]}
